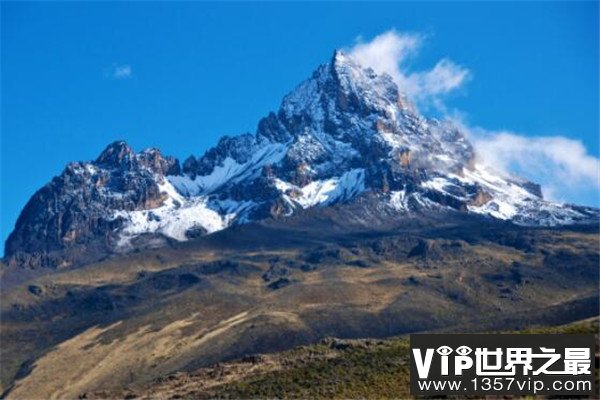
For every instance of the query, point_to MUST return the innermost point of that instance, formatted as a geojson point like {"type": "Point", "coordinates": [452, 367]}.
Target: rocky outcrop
{"type": "Point", "coordinates": [481, 197]}
{"type": "Point", "coordinates": [75, 211]}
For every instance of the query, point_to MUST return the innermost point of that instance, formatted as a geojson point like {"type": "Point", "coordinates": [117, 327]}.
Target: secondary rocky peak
{"type": "Point", "coordinates": [116, 154]}
{"type": "Point", "coordinates": [121, 156]}
{"type": "Point", "coordinates": [159, 164]}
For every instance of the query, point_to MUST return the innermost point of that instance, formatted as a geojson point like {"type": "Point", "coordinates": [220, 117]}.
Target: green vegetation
{"type": "Point", "coordinates": [379, 370]}
{"type": "Point", "coordinates": [376, 371]}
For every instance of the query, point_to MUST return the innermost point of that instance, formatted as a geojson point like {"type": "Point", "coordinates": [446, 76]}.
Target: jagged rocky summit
{"type": "Point", "coordinates": [345, 133]}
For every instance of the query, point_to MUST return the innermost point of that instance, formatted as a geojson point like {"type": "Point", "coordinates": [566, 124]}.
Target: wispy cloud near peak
{"type": "Point", "coordinates": [563, 166]}
{"type": "Point", "coordinates": [388, 53]}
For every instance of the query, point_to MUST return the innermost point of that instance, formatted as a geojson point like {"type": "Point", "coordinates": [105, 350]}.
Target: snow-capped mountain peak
{"type": "Point", "coordinates": [344, 133]}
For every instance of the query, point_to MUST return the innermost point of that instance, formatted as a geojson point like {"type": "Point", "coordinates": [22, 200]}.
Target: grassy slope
{"type": "Point", "coordinates": [149, 314]}
{"type": "Point", "coordinates": [332, 369]}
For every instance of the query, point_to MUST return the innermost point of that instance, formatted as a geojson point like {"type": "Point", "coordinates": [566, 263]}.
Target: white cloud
{"type": "Point", "coordinates": [443, 78]}
{"type": "Point", "coordinates": [388, 53]}
{"type": "Point", "coordinates": [563, 166]}
{"type": "Point", "coordinates": [120, 71]}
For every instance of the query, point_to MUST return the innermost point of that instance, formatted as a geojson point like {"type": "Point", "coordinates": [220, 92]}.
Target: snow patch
{"type": "Point", "coordinates": [174, 218]}
{"type": "Point", "coordinates": [229, 171]}
{"type": "Point", "coordinates": [327, 191]}
{"type": "Point", "coordinates": [399, 200]}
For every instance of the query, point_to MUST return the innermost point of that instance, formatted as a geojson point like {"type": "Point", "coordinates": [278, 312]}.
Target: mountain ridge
{"type": "Point", "coordinates": [344, 132]}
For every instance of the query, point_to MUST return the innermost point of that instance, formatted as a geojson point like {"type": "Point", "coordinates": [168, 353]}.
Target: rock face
{"type": "Point", "coordinates": [78, 207]}
{"type": "Point", "coordinates": [343, 132]}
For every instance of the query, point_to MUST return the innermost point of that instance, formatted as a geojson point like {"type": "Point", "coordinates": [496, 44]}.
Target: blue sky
{"type": "Point", "coordinates": [76, 76]}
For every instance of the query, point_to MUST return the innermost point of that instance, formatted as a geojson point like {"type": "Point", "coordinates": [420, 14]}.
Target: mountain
{"type": "Point", "coordinates": [344, 134]}
{"type": "Point", "coordinates": [348, 214]}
